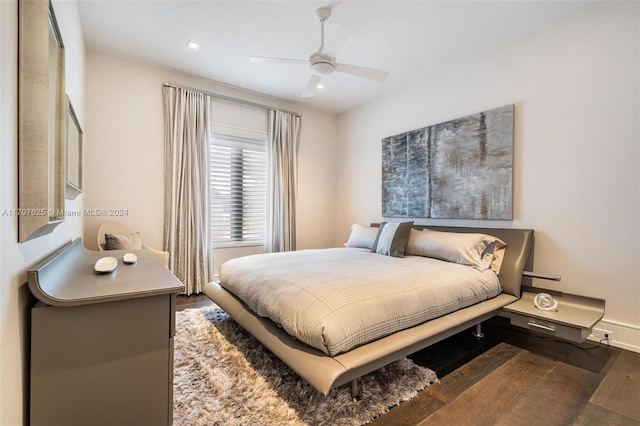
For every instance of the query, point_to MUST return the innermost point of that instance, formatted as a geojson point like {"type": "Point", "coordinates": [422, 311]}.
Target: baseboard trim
{"type": "Point", "coordinates": [625, 336]}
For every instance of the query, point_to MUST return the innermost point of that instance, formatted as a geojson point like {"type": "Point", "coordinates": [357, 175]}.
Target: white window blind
{"type": "Point", "coordinates": [238, 184]}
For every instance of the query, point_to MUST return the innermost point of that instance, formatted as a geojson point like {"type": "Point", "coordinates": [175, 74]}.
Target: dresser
{"type": "Point", "coordinates": [102, 344]}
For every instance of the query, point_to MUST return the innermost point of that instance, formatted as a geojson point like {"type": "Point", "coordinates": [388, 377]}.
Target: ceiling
{"type": "Point", "coordinates": [406, 38]}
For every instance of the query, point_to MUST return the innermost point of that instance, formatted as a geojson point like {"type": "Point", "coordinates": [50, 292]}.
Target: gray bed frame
{"type": "Point", "coordinates": [324, 372]}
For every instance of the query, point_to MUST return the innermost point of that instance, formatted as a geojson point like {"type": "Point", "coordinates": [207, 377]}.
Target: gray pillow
{"type": "Point", "coordinates": [123, 241]}
{"type": "Point", "coordinates": [392, 238]}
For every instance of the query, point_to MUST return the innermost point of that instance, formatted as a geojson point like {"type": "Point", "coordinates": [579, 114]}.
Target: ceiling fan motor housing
{"type": "Point", "coordinates": [323, 13]}
{"type": "Point", "coordinates": [321, 64]}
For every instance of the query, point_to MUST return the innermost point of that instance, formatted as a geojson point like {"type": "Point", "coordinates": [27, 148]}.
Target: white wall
{"type": "Point", "coordinates": [575, 86]}
{"type": "Point", "coordinates": [16, 258]}
{"type": "Point", "coordinates": [124, 154]}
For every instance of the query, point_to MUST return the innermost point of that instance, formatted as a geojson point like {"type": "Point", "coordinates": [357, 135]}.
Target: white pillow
{"type": "Point", "coordinates": [362, 236]}
{"type": "Point", "coordinates": [476, 250]}
{"type": "Point", "coordinates": [414, 236]}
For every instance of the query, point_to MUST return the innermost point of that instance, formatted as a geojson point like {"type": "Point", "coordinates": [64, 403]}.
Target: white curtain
{"type": "Point", "coordinates": [284, 141]}
{"type": "Point", "coordinates": [187, 235]}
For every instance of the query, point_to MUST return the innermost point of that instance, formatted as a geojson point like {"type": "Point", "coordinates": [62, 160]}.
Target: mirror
{"type": "Point", "coordinates": [41, 121]}
{"type": "Point", "coordinates": [74, 154]}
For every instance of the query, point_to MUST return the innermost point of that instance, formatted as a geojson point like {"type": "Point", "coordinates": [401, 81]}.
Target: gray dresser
{"type": "Point", "coordinates": [102, 344]}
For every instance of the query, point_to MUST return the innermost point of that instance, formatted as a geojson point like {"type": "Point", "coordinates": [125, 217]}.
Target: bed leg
{"type": "Point", "coordinates": [478, 333]}
{"type": "Point", "coordinates": [354, 390]}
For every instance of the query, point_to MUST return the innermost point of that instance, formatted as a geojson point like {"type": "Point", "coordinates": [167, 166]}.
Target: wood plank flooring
{"type": "Point", "coordinates": [510, 386]}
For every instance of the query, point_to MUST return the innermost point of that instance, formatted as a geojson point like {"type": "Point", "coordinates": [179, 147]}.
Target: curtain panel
{"type": "Point", "coordinates": [284, 142]}
{"type": "Point", "coordinates": [187, 228]}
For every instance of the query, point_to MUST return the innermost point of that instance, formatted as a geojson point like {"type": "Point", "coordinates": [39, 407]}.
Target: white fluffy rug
{"type": "Point", "coordinates": [223, 376]}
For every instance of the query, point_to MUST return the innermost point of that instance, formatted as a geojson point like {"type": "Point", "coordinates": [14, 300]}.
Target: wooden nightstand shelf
{"type": "Point", "coordinates": [572, 320]}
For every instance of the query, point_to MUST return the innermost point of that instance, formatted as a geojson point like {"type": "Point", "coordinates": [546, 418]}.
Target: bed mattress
{"type": "Point", "coordinates": [338, 299]}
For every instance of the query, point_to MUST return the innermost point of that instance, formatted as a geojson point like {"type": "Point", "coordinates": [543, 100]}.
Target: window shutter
{"type": "Point", "coordinates": [238, 184]}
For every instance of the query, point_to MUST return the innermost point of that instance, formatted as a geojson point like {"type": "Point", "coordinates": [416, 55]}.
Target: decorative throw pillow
{"type": "Point", "coordinates": [362, 236]}
{"type": "Point", "coordinates": [476, 250]}
{"type": "Point", "coordinates": [123, 241]}
{"type": "Point", "coordinates": [392, 238]}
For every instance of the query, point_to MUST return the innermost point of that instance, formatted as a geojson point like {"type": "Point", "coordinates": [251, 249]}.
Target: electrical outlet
{"type": "Point", "coordinates": [602, 334]}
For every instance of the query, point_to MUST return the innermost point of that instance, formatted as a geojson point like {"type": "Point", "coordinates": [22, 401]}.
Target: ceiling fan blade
{"type": "Point", "coordinates": [312, 87]}
{"type": "Point", "coordinates": [371, 73]}
{"type": "Point", "coordinates": [262, 59]}
{"type": "Point", "coordinates": [337, 36]}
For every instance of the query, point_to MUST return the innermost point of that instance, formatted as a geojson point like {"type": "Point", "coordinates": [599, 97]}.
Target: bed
{"type": "Point", "coordinates": [327, 362]}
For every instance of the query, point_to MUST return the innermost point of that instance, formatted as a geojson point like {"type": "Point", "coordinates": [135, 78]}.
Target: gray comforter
{"type": "Point", "coordinates": [337, 299]}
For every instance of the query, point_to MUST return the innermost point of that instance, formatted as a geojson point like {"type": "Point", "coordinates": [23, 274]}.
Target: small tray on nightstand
{"type": "Point", "coordinates": [573, 319]}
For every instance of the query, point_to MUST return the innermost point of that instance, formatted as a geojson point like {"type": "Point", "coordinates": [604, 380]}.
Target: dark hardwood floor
{"type": "Point", "coordinates": [508, 385]}
{"type": "Point", "coordinates": [515, 377]}
{"type": "Point", "coordinates": [193, 301]}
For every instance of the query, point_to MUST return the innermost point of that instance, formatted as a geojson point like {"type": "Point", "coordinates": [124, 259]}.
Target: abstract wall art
{"type": "Point", "coordinates": [460, 169]}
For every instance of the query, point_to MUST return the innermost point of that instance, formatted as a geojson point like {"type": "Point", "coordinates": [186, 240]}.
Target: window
{"type": "Point", "coordinates": [238, 185]}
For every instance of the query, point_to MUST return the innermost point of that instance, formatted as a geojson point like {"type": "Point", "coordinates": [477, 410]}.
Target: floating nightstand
{"type": "Point", "coordinates": [572, 320]}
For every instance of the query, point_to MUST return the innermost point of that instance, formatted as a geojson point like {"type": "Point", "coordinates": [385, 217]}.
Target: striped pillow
{"type": "Point", "coordinates": [392, 238]}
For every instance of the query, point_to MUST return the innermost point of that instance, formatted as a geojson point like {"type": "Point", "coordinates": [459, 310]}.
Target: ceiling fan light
{"type": "Point", "coordinates": [322, 68]}
{"type": "Point", "coordinates": [193, 45]}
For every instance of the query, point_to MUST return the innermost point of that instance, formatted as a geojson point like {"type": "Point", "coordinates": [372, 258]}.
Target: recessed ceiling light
{"type": "Point", "coordinates": [193, 45]}
{"type": "Point", "coordinates": [320, 86]}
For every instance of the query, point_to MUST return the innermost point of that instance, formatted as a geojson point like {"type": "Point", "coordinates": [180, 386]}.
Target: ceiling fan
{"type": "Point", "coordinates": [323, 61]}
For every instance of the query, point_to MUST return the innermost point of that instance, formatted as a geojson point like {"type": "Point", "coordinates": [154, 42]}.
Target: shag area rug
{"type": "Point", "coordinates": [223, 376]}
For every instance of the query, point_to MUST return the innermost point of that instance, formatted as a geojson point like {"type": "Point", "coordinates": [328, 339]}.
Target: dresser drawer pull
{"type": "Point", "coordinates": [544, 327]}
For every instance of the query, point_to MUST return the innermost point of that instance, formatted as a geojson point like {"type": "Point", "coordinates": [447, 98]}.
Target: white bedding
{"type": "Point", "coordinates": [337, 299]}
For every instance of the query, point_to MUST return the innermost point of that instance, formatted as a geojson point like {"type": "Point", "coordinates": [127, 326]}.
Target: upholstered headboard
{"type": "Point", "coordinates": [518, 242]}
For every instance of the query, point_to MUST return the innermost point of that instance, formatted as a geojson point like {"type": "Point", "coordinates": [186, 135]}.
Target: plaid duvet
{"type": "Point", "coordinates": [338, 299]}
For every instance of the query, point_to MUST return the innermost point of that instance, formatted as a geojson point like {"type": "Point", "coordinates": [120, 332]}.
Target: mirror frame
{"type": "Point", "coordinates": [41, 121]}
{"type": "Point", "coordinates": [74, 148]}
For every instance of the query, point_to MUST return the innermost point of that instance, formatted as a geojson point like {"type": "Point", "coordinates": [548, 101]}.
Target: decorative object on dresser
{"type": "Point", "coordinates": [101, 344]}
{"type": "Point", "coordinates": [460, 169]}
